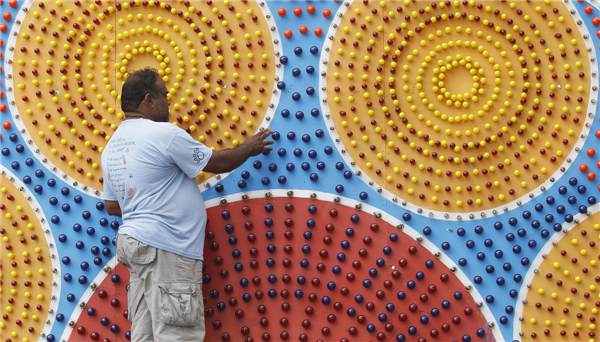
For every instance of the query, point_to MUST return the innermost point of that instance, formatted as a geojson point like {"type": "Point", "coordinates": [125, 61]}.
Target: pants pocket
{"type": "Point", "coordinates": [133, 252]}
{"type": "Point", "coordinates": [179, 303]}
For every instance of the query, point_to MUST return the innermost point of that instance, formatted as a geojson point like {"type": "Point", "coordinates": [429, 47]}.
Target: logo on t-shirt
{"type": "Point", "coordinates": [130, 192]}
{"type": "Point", "coordinates": [198, 155]}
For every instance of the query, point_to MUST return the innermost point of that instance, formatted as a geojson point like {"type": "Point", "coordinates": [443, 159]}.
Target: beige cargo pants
{"type": "Point", "coordinates": [165, 293]}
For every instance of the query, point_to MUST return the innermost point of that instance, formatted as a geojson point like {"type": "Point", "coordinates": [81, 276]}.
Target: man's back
{"type": "Point", "coordinates": [149, 168]}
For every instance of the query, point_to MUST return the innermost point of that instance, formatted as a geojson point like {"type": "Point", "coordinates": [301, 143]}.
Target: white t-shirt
{"type": "Point", "coordinates": [150, 168]}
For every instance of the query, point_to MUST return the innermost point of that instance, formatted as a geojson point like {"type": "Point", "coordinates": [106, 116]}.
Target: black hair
{"type": "Point", "coordinates": [138, 84]}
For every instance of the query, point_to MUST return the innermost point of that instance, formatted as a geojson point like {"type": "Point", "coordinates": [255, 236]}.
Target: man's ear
{"type": "Point", "coordinates": [148, 100]}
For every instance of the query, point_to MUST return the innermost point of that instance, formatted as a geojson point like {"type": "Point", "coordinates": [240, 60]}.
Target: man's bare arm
{"type": "Point", "coordinates": [229, 159]}
{"type": "Point", "coordinates": [113, 208]}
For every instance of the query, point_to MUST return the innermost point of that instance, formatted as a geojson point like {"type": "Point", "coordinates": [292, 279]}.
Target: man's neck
{"type": "Point", "coordinates": [136, 115]}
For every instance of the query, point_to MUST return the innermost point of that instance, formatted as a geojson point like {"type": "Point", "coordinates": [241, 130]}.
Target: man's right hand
{"type": "Point", "coordinates": [257, 144]}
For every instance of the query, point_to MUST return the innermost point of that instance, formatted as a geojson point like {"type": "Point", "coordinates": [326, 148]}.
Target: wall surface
{"type": "Point", "coordinates": [433, 173]}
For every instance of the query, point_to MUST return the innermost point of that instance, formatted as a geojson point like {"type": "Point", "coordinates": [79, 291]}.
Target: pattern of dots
{"type": "Point", "coordinates": [26, 270]}
{"type": "Point", "coordinates": [261, 258]}
{"type": "Point", "coordinates": [459, 105]}
{"type": "Point", "coordinates": [563, 299]}
{"type": "Point", "coordinates": [217, 60]}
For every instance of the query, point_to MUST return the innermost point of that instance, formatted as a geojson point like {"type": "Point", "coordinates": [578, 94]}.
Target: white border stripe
{"type": "Point", "coordinates": [50, 242]}
{"type": "Point", "coordinates": [456, 216]}
{"type": "Point", "coordinates": [537, 262]}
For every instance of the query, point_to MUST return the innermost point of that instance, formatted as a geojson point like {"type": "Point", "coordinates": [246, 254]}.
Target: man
{"type": "Point", "coordinates": [149, 168]}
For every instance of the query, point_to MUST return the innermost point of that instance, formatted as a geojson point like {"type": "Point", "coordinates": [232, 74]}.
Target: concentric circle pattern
{"type": "Point", "coordinates": [71, 58]}
{"type": "Point", "coordinates": [26, 274]}
{"type": "Point", "coordinates": [458, 106]}
{"type": "Point", "coordinates": [563, 301]}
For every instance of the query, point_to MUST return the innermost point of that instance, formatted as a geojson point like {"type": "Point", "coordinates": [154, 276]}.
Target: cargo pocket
{"type": "Point", "coordinates": [179, 303]}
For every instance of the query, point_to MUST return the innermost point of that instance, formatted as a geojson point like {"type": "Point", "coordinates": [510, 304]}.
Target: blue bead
{"type": "Point", "coordinates": [296, 96]}
{"type": "Point", "coordinates": [15, 165]}
{"type": "Point", "coordinates": [354, 218]}
{"type": "Point", "coordinates": [358, 298]}
{"type": "Point", "coordinates": [562, 190]}
{"type": "Point", "coordinates": [370, 328]}
{"type": "Point", "coordinates": [236, 253]}
{"type": "Point", "coordinates": [299, 115]}
{"type": "Point", "coordinates": [283, 59]}
{"type": "Point", "coordinates": [336, 269]}
{"type": "Point", "coordinates": [429, 264]}
{"type": "Point", "coordinates": [345, 244]}
{"type": "Point", "coordinates": [86, 215]}
{"type": "Point", "coordinates": [232, 240]}
{"type": "Point", "coordinates": [82, 280]}
{"type": "Point", "coordinates": [560, 209]}
{"type": "Point", "coordinates": [65, 191]}
{"type": "Point", "coordinates": [310, 223]}
{"type": "Point", "coordinates": [29, 162]}
{"type": "Point", "coordinates": [582, 209]}
{"type": "Point", "coordinates": [243, 282]}
{"type": "Point", "coordinates": [238, 267]}
{"type": "Point", "coordinates": [461, 232]}
{"type": "Point", "coordinates": [55, 219]}
{"type": "Point", "coordinates": [90, 312]}
{"type": "Point", "coordinates": [498, 254]}
{"type": "Point", "coordinates": [282, 179]}
{"type": "Point", "coordinates": [246, 297]}
{"type": "Point", "coordinates": [66, 207]}
{"type": "Point", "coordinates": [314, 177]}
{"type": "Point", "coordinates": [478, 229]}
{"type": "Point", "coordinates": [298, 50]}
{"type": "Point", "coordinates": [516, 249]}
{"type": "Point", "coordinates": [445, 245]}
{"type": "Point", "coordinates": [363, 195]}
{"type": "Point", "coordinates": [411, 284]}
{"type": "Point", "coordinates": [95, 250]}
{"type": "Point", "coordinates": [351, 312]}
{"type": "Point", "coordinates": [373, 272]}
{"type": "Point", "coordinates": [424, 319]}
{"type": "Point", "coordinates": [387, 250]}
{"type": "Point", "coordinates": [265, 181]}
{"type": "Point", "coordinates": [307, 235]}
{"type": "Point", "coordinates": [84, 265]}
{"type": "Point", "coordinates": [296, 72]}
{"type": "Point", "coordinates": [557, 227]}
{"type": "Point", "coordinates": [272, 167]}
{"type": "Point", "coordinates": [507, 266]}
{"type": "Point", "coordinates": [382, 317]}
{"type": "Point", "coordinates": [291, 135]}
{"type": "Point", "coordinates": [39, 173]}
{"type": "Point", "coordinates": [435, 312]}
{"type": "Point", "coordinates": [51, 337]}
{"type": "Point", "coordinates": [320, 165]}
{"type": "Point", "coordinates": [489, 299]}
{"type": "Point", "coordinates": [67, 277]}
{"type": "Point", "coordinates": [406, 217]}
{"type": "Point", "coordinates": [513, 293]}
{"type": "Point", "coordinates": [339, 166]}
{"type": "Point", "coordinates": [470, 244]}
{"type": "Point", "coordinates": [525, 261]}
{"type": "Point", "coordinates": [481, 256]}
{"type": "Point", "coordinates": [20, 148]}
{"type": "Point", "coordinates": [272, 293]}
{"type": "Point", "coordinates": [326, 300]}
{"type": "Point", "coordinates": [488, 242]}
{"type": "Point", "coordinates": [591, 200]}
{"type": "Point", "coordinates": [401, 295]}
{"type": "Point", "coordinates": [246, 174]}
{"type": "Point", "coordinates": [573, 181]}
{"type": "Point", "coordinates": [500, 281]}
{"type": "Point", "coordinates": [318, 133]}
{"type": "Point", "coordinates": [517, 277]}
{"type": "Point", "coordinates": [62, 238]}
{"type": "Point", "coordinates": [270, 235]}
{"type": "Point", "coordinates": [498, 225]}
{"type": "Point", "coordinates": [328, 150]}
{"type": "Point", "coordinates": [545, 233]}
{"type": "Point", "coordinates": [26, 179]}
{"type": "Point", "coordinates": [380, 262]}
{"type": "Point", "coordinates": [420, 275]}
{"type": "Point", "coordinates": [214, 293]}
{"type": "Point", "coordinates": [457, 295]}
{"type": "Point", "coordinates": [115, 278]}
{"type": "Point", "coordinates": [446, 304]}
{"type": "Point", "coordinates": [298, 293]}
{"type": "Point", "coordinates": [312, 154]}
{"type": "Point", "coordinates": [503, 320]}
{"type": "Point", "coordinates": [539, 207]}
{"type": "Point", "coordinates": [331, 285]}
{"type": "Point", "coordinates": [281, 85]}
{"type": "Point", "coordinates": [38, 189]}
{"type": "Point", "coordinates": [532, 243]}
{"type": "Point", "coordinates": [550, 199]}
{"type": "Point", "coordinates": [527, 214]}
{"type": "Point", "coordinates": [66, 260]}
{"type": "Point", "coordinates": [310, 69]}
{"type": "Point", "coordinates": [400, 338]}
{"type": "Point", "coordinates": [114, 328]}
{"type": "Point", "coordinates": [341, 256]}
{"type": "Point", "coordinates": [219, 187]}
{"type": "Point", "coordinates": [389, 307]}
{"type": "Point", "coordinates": [312, 209]}
{"type": "Point", "coordinates": [549, 218]}
{"type": "Point", "coordinates": [412, 330]}
{"type": "Point", "coordinates": [466, 338]}
{"type": "Point", "coordinates": [315, 112]}
{"type": "Point", "coordinates": [305, 166]}
{"type": "Point", "coordinates": [242, 184]}
{"type": "Point", "coordinates": [13, 137]}
{"type": "Point", "coordinates": [348, 175]}
{"type": "Point", "coordinates": [314, 50]}
{"type": "Point", "coordinates": [521, 232]}
{"type": "Point", "coordinates": [509, 309]}
{"type": "Point", "coordinates": [462, 262]}
{"type": "Point", "coordinates": [310, 90]}
{"type": "Point", "coordinates": [305, 138]}
{"type": "Point", "coordinates": [5, 152]}
{"type": "Point", "coordinates": [581, 189]}
{"type": "Point", "coordinates": [98, 261]}
{"type": "Point", "coordinates": [572, 200]}
{"type": "Point", "coordinates": [306, 249]}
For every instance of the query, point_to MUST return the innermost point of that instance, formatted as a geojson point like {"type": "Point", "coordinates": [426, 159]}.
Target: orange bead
{"type": "Point", "coordinates": [596, 21]}
{"type": "Point", "coordinates": [12, 3]}
{"type": "Point", "coordinates": [3, 27]}
{"type": "Point", "coordinates": [598, 164]}
{"type": "Point", "coordinates": [7, 16]}
{"type": "Point", "coordinates": [2, 107]}
{"type": "Point", "coordinates": [7, 125]}
{"type": "Point", "coordinates": [281, 12]}
{"type": "Point", "coordinates": [588, 10]}
{"type": "Point", "coordinates": [327, 13]}
{"type": "Point", "coordinates": [591, 152]}
{"type": "Point", "coordinates": [318, 31]}
{"type": "Point", "coordinates": [288, 34]}
{"type": "Point", "coordinates": [310, 9]}
{"type": "Point", "coordinates": [598, 133]}
{"type": "Point", "coordinates": [583, 167]}
{"type": "Point", "coordinates": [297, 11]}
{"type": "Point", "coordinates": [303, 29]}
{"type": "Point", "coordinates": [591, 176]}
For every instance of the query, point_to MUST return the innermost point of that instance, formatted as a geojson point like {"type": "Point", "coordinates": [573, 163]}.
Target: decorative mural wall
{"type": "Point", "coordinates": [433, 176]}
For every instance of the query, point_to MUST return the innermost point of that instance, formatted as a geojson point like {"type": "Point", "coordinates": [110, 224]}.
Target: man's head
{"type": "Point", "coordinates": [145, 93]}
